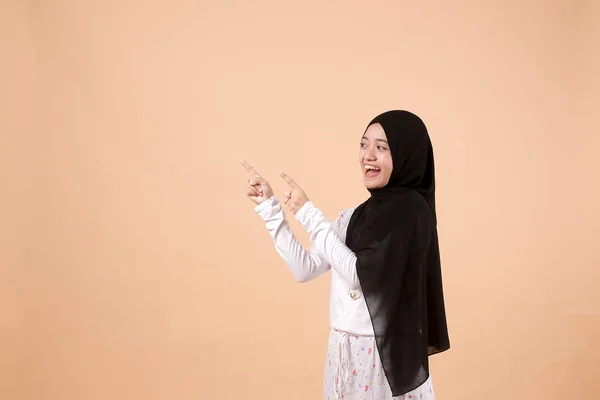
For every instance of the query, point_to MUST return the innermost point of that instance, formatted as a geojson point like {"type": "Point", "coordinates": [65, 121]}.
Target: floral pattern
{"type": "Point", "coordinates": [353, 371]}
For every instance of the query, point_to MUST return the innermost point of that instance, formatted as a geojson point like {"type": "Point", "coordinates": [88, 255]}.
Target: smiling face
{"type": "Point", "coordinates": [375, 157]}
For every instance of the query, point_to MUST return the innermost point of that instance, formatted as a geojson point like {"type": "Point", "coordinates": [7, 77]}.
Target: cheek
{"type": "Point", "coordinates": [388, 167]}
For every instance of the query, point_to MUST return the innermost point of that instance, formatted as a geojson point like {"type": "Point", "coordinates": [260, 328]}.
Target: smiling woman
{"type": "Point", "coordinates": [387, 310]}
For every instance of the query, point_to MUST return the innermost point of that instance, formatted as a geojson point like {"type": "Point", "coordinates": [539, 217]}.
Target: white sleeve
{"type": "Point", "coordinates": [304, 265]}
{"type": "Point", "coordinates": [327, 242]}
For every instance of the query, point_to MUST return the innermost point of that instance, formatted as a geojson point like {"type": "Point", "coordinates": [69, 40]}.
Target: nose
{"type": "Point", "coordinates": [370, 155]}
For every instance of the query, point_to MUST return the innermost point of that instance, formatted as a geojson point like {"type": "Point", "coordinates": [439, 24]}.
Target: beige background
{"type": "Point", "coordinates": [133, 267]}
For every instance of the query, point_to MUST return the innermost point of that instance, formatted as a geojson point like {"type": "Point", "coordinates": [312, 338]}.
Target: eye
{"type": "Point", "coordinates": [363, 144]}
{"type": "Point", "coordinates": [381, 148]}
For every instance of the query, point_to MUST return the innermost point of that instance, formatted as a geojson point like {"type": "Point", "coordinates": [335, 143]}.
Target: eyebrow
{"type": "Point", "coordinates": [377, 140]}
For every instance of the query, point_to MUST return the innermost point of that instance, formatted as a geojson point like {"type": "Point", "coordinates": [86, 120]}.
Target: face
{"type": "Point", "coordinates": [375, 157]}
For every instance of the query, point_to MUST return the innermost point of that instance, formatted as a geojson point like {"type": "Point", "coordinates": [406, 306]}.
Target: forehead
{"type": "Point", "coordinates": [375, 131]}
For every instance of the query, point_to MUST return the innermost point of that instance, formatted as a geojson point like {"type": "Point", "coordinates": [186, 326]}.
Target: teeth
{"type": "Point", "coordinates": [371, 167]}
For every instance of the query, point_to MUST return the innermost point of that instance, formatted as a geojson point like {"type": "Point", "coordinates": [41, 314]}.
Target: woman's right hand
{"type": "Point", "coordinates": [259, 189]}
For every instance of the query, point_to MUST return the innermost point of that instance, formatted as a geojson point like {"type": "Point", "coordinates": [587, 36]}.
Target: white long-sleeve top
{"type": "Point", "coordinates": [347, 308]}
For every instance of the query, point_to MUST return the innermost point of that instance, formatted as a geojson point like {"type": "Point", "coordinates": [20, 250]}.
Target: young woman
{"type": "Point", "coordinates": [386, 305]}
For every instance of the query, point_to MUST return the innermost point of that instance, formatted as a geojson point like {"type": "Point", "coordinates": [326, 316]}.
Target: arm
{"type": "Point", "coordinates": [304, 265]}
{"type": "Point", "coordinates": [326, 241]}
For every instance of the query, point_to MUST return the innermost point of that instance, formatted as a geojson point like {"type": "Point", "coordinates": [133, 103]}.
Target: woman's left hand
{"type": "Point", "coordinates": [295, 197]}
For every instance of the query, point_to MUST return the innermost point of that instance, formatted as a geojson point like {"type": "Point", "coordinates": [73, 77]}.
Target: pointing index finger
{"type": "Point", "coordinates": [289, 180]}
{"type": "Point", "coordinates": [249, 168]}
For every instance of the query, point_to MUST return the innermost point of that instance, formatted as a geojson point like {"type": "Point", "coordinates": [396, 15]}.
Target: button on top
{"type": "Point", "coordinates": [353, 294]}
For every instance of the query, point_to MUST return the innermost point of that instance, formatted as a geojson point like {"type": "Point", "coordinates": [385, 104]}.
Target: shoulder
{"type": "Point", "coordinates": [345, 213]}
{"type": "Point", "coordinates": [414, 211]}
{"type": "Point", "coordinates": [343, 217]}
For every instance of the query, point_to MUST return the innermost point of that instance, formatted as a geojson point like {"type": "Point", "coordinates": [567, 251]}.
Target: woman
{"type": "Point", "coordinates": [386, 305]}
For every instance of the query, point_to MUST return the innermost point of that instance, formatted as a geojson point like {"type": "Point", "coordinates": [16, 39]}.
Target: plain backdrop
{"type": "Point", "coordinates": [133, 267]}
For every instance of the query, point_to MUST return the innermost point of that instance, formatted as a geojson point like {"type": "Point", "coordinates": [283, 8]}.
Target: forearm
{"type": "Point", "coordinates": [304, 265]}
{"type": "Point", "coordinates": [327, 242]}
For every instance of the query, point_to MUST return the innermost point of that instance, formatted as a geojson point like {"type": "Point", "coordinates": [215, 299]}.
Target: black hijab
{"type": "Point", "coordinates": [394, 236]}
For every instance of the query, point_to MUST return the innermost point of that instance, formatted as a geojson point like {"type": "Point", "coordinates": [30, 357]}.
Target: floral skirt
{"type": "Point", "coordinates": [353, 370]}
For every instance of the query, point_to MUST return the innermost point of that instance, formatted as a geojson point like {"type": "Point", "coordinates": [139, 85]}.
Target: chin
{"type": "Point", "coordinates": [373, 185]}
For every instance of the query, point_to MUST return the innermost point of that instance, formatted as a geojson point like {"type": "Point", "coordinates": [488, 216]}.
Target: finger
{"type": "Point", "coordinates": [257, 187]}
{"type": "Point", "coordinates": [256, 190]}
{"type": "Point", "coordinates": [289, 180]}
{"type": "Point", "coordinates": [256, 182]}
{"type": "Point", "coordinates": [249, 168]}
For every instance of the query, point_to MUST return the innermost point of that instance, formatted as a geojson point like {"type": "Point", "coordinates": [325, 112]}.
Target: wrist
{"type": "Point", "coordinates": [268, 202]}
{"type": "Point", "coordinates": [301, 213]}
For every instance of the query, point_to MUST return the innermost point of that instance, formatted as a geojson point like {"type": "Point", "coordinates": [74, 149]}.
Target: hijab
{"type": "Point", "coordinates": [394, 236]}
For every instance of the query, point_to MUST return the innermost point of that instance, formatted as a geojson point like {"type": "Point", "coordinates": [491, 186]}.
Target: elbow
{"type": "Point", "coordinates": [302, 278]}
{"type": "Point", "coordinates": [354, 285]}
{"type": "Point", "coordinates": [354, 281]}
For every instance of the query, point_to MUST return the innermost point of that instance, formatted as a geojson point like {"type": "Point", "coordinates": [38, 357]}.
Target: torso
{"type": "Point", "coordinates": [347, 308]}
